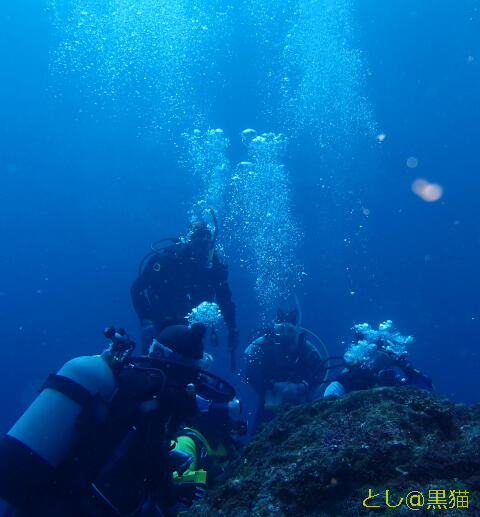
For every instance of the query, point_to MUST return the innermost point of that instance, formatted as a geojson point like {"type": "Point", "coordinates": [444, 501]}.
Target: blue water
{"type": "Point", "coordinates": [93, 168]}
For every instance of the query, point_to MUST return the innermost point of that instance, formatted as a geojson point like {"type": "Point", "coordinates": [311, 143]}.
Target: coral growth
{"type": "Point", "coordinates": [325, 458]}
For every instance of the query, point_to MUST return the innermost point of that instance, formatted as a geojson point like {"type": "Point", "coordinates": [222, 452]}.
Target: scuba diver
{"type": "Point", "coordinates": [377, 358]}
{"type": "Point", "coordinates": [174, 279]}
{"type": "Point", "coordinates": [212, 439]}
{"type": "Point", "coordinates": [97, 441]}
{"type": "Point", "coordinates": [283, 366]}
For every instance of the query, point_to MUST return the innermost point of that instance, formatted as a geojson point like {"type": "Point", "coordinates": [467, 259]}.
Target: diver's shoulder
{"type": "Point", "coordinates": [177, 249]}
{"type": "Point", "coordinates": [162, 255]}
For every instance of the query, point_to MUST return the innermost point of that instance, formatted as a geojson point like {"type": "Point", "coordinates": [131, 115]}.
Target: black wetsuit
{"type": "Point", "coordinates": [266, 364]}
{"type": "Point", "coordinates": [173, 282]}
{"type": "Point", "coordinates": [400, 372]}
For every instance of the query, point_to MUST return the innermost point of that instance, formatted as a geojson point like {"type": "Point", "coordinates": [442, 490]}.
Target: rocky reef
{"type": "Point", "coordinates": [383, 451]}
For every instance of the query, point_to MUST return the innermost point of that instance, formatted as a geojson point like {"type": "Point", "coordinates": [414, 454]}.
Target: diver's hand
{"type": "Point", "coordinates": [179, 460]}
{"type": "Point", "coordinates": [291, 392]}
{"type": "Point", "coordinates": [187, 493]}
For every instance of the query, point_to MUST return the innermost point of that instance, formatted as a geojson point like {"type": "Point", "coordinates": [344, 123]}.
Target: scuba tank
{"type": "Point", "coordinates": [48, 426]}
{"type": "Point", "coordinates": [42, 437]}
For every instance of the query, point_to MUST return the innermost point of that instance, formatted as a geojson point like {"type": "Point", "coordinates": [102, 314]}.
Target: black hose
{"type": "Point", "coordinates": [155, 251]}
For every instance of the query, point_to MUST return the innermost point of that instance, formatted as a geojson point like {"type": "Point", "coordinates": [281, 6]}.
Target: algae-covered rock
{"type": "Point", "coordinates": [327, 457]}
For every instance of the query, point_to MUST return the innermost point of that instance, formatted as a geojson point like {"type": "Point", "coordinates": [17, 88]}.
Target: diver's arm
{"type": "Point", "coordinates": [419, 379]}
{"type": "Point", "coordinates": [291, 392]}
{"type": "Point", "coordinates": [138, 291]}
{"type": "Point", "coordinates": [139, 299]}
{"type": "Point", "coordinates": [349, 379]}
{"type": "Point", "coordinates": [223, 295]}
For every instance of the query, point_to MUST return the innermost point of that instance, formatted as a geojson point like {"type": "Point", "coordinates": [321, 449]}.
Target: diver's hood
{"type": "Point", "coordinates": [162, 352]}
{"type": "Point", "coordinates": [287, 317]}
{"type": "Point", "coordinates": [379, 360]}
{"type": "Point", "coordinates": [185, 341]}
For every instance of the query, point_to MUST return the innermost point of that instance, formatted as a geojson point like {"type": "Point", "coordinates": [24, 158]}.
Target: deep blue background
{"type": "Point", "coordinates": [82, 198]}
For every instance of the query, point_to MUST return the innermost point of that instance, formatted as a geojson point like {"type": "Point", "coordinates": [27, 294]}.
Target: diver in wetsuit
{"type": "Point", "coordinates": [179, 277]}
{"type": "Point", "coordinates": [377, 358]}
{"type": "Point", "coordinates": [283, 366]}
{"type": "Point", "coordinates": [97, 441]}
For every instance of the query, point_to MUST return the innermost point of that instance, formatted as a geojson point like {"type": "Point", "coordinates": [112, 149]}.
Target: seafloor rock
{"type": "Point", "coordinates": [326, 458]}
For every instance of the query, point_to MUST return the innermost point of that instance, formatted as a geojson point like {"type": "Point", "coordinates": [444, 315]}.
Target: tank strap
{"type": "Point", "coordinates": [70, 389]}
